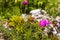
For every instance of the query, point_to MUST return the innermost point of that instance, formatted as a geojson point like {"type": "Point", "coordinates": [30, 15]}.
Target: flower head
{"type": "Point", "coordinates": [44, 23]}
{"type": "Point", "coordinates": [24, 3]}
{"type": "Point", "coordinates": [35, 11]}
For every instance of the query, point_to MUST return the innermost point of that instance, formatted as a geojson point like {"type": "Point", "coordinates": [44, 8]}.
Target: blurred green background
{"type": "Point", "coordinates": [15, 7]}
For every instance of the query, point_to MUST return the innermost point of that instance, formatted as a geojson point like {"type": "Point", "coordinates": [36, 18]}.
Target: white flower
{"type": "Point", "coordinates": [33, 15]}
{"type": "Point", "coordinates": [38, 11]}
{"type": "Point", "coordinates": [51, 25]}
{"type": "Point", "coordinates": [37, 17]}
{"type": "Point", "coordinates": [37, 14]}
{"type": "Point", "coordinates": [45, 17]}
{"type": "Point", "coordinates": [54, 32]}
{"type": "Point", "coordinates": [35, 11]}
{"type": "Point", "coordinates": [58, 24]}
{"type": "Point", "coordinates": [24, 15]}
{"type": "Point", "coordinates": [58, 18]}
{"type": "Point", "coordinates": [58, 34]}
{"type": "Point", "coordinates": [40, 16]}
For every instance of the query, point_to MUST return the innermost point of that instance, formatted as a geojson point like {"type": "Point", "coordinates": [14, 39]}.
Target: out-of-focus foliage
{"type": "Point", "coordinates": [15, 7]}
{"type": "Point", "coordinates": [17, 22]}
{"type": "Point", "coordinates": [9, 8]}
{"type": "Point", "coordinates": [29, 31]}
{"type": "Point", "coordinates": [22, 30]}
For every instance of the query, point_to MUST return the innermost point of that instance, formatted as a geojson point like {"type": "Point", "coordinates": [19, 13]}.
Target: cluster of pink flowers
{"type": "Point", "coordinates": [25, 2]}
{"type": "Point", "coordinates": [43, 23]}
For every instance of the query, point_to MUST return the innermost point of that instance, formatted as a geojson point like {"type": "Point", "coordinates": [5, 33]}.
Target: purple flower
{"type": "Point", "coordinates": [24, 3]}
{"type": "Point", "coordinates": [44, 23]}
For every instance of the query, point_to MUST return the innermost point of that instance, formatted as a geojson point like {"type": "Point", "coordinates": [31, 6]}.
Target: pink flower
{"type": "Point", "coordinates": [43, 23]}
{"type": "Point", "coordinates": [24, 3]}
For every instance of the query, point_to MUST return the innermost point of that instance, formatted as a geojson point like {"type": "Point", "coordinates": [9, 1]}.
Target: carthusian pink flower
{"type": "Point", "coordinates": [25, 2]}
{"type": "Point", "coordinates": [43, 23]}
